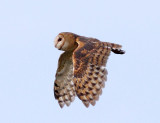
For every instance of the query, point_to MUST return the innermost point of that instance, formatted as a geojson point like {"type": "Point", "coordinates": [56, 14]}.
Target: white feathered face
{"type": "Point", "coordinates": [59, 42]}
{"type": "Point", "coordinates": [65, 42]}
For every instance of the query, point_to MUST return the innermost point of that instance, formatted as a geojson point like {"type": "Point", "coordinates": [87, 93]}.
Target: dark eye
{"type": "Point", "coordinates": [59, 39]}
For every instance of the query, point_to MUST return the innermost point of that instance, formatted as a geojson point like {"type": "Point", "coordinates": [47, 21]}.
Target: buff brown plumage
{"type": "Point", "coordinates": [81, 68]}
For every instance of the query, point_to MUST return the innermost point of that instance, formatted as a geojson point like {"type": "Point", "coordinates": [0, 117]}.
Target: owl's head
{"type": "Point", "coordinates": [65, 41]}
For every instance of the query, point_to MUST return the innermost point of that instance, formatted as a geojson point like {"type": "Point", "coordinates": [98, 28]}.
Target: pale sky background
{"type": "Point", "coordinates": [28, 59]}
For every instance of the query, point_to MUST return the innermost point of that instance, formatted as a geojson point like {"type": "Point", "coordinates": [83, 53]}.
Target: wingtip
{"type": "Point", "coordinates": [118, 51]}
{"type": "Point", "coordinates": [86, 104]}
{"type": "Point", "coordinates": [61, 104]}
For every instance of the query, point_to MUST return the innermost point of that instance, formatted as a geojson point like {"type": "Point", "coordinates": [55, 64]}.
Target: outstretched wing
{"type": "Point", "coordinates": [89, 61]}
{"type": "Point", "coordinates": [64, 89]}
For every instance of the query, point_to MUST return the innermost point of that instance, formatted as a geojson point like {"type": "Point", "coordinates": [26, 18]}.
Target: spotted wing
{"type": "Point", "coordinates": [64, 89]}
{"type": "Point", "coordinates": [90, 74]}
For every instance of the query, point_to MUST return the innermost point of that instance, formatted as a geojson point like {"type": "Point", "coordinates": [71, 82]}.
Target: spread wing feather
{"type": "Point", "coordinates": [90, 74]}
{"type": "Point", "coordinates": [64, 89]}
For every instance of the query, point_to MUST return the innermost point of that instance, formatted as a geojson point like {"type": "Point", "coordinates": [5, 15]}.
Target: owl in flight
{"type": "Point", "coordinates": [81, 68]}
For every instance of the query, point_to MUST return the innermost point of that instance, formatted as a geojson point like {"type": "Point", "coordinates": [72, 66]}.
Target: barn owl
{"type": "Point", "coordinates": [81, 68]}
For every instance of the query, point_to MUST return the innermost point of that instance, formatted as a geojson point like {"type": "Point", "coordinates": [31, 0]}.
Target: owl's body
{"type": "Point", "coordinates": [81, 68]}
